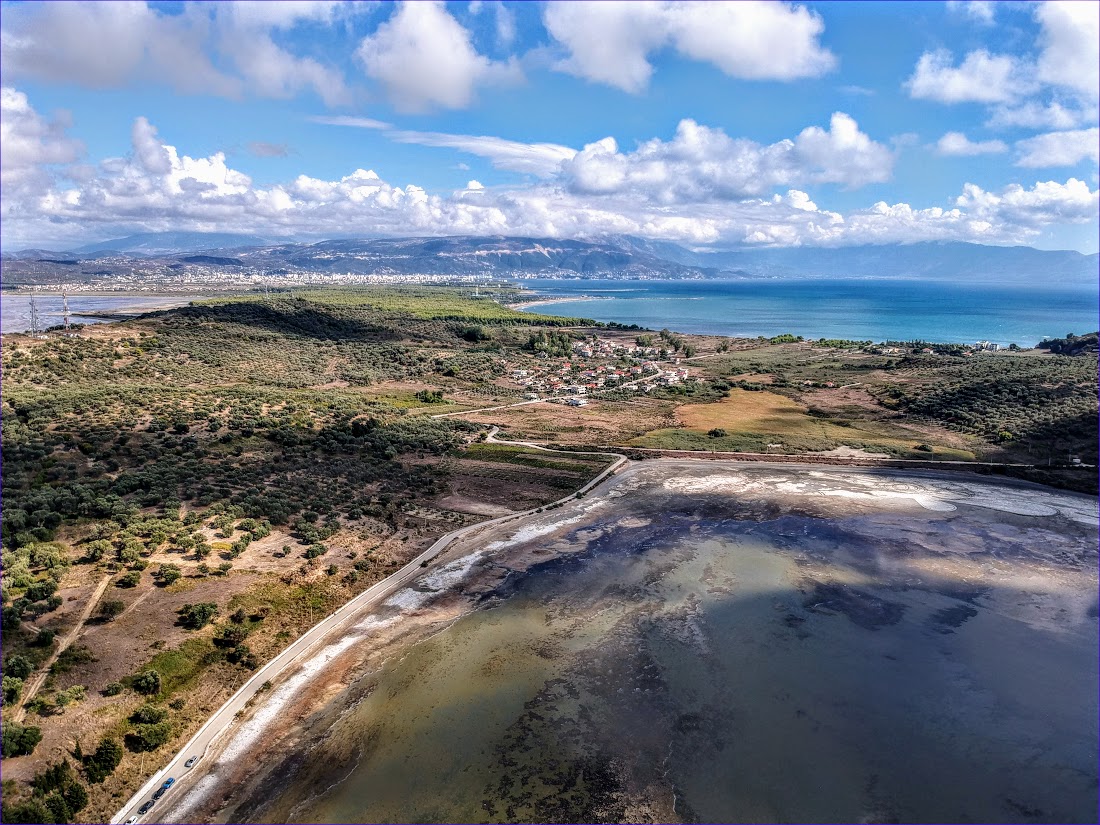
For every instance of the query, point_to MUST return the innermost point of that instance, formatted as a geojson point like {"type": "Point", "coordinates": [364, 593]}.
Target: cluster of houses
{"type": "Point", "coordinates": [980, 346]}
{"type": "Point", "coordinates": [572, 379]}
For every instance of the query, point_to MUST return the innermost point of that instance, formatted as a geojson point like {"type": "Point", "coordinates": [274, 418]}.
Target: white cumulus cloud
{"type": "Point", "coordinates": [701, 163]}
{"type": "Point", "coordinates": [958, 144]}
{"type": "Point", "coordinates": [1059, 148]}
{"type": "Point", "coordinates": [610, 43]}
{"type": "Point", "coordinates": [698, 188]}
{"type": "Point", "coordinates": [28, 141]}
{"type": "Point", "coordinates": [980, 11]}
{"type": "Point", "coordinates": [425, 58]}
{"type": "Point", "coordinates": [1044, 203]}
{"type": "Point", "coordinates": [112, 44]}
{"type": "Point", "coordinates": [1053, 85]}
{"type": "Point", "coordinates": [1070, 42]}
{"type": "Point", "coordinates": [980, 78]}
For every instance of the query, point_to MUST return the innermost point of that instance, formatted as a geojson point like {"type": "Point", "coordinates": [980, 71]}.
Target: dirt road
{"type": "Point", "coordinates": [35, 684]}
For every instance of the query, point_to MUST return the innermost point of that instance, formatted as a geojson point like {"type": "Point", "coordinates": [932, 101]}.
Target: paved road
{"type": "Point", "coordinates": [218, 724]}
{"type": "Point", "coordinates": [35, 684]}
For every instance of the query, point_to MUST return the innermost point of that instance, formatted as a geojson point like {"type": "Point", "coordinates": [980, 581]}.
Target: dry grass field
{"type": "Point", "coordinates": [752, 420]}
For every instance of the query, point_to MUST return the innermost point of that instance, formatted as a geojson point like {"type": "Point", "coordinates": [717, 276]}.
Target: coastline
{"type": "Point", "coordinates": [538, 302]}
{"type": "Point", "coordinates": [293, 709]}
{"type": "Point", "coordinates": [123, 306]}
{"type": "Point", "coordinates": [340, 629]}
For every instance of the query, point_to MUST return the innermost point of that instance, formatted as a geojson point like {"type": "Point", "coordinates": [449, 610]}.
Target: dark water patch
{"type": "Point", "coordinates": [862, 608]}
{"type": "Point", "coordinates": [1031, 814]}
{"type": "Point", "coordinates": [549, 768]}
{"type": "Point", "coordinates": [953, 617]}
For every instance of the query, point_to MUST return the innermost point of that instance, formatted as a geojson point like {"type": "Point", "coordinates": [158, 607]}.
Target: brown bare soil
{"type": "Point", "coordinates": [601, 422]}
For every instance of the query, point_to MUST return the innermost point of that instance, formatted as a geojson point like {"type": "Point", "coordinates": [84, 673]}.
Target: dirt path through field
{"type": "Point", "coordinates": [39, 678]}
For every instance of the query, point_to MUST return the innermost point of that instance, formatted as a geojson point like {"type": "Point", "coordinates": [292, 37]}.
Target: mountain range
{"type": "Point", "coordinates": [618, 256]}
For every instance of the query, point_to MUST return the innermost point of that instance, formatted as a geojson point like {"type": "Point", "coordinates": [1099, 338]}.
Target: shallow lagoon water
{"type": "Point", "coordinates": [755, 645]}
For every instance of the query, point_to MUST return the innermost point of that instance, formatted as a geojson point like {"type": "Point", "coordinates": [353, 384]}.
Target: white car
{"type": "Point", "coordinates": [131, 820]}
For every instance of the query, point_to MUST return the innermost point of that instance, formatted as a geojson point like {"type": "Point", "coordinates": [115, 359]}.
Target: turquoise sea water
{"type": "Point", "coordinates": [878, 310]}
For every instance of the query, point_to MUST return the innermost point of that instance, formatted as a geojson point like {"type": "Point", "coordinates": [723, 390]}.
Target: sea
{"type": "Point", "coordinates": [855, 309]}
{"type": "Point", "coordinates": [15, 310]}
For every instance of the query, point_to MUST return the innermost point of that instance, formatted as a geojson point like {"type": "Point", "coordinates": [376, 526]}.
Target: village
{"type": "Point", "coordinates": [571, 380]}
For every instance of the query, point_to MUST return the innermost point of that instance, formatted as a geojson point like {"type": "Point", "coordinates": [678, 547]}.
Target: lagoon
{"type": "Point", "coordinates": [16, 307]}
{"type": "Point", "coordinates": [708, 641]}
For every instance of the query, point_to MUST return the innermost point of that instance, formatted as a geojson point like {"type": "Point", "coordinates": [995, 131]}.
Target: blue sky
{"type": "Point", "coordinates": [713, 124]}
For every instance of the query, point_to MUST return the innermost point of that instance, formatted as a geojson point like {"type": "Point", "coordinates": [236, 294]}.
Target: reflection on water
{"type": "Point", "coordinates": [696, 658]}
{"type": "Point", "coordinates": [16, 308]}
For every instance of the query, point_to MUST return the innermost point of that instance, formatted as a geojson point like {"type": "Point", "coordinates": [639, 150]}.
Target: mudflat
{"type": "Point", "coordinates": [707, 641]}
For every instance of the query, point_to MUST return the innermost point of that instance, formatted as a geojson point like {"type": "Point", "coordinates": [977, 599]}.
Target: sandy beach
{"type": "Point", "coordinates": [548, 301]}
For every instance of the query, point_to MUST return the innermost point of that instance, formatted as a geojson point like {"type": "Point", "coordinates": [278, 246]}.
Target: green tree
{"type": "Point", "coordinates": [27, 810]}
{"type": "Point", "coordinates": [20, 741]}
{"type": "Point", "coordinates": [197, 616]}
{"type": "Point", "coordinates": [167, 574]}
{"type": "Point", "coordinates": [13, 689]}
{"type": "Point", "coordinates": [101, 764]}
{"type": "Point", "coordinates": [147, 682]}
{"type": "Point", "coordinates": [149, 737]}
{"type": "Point", "coordinates": [110, 609]}
{"type": "Point", "coordinates": [18, 666]}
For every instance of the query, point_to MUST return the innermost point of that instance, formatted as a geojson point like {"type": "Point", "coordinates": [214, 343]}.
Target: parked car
{"type": "Point", "coordinates": [191, 762]}
{"type": "Point", "coordinates": [132, 820]}
{"type": "Point", "coordinates": [148, 806]}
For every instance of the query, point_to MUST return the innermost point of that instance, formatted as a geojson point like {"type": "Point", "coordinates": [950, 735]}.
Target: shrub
{"type": "Point", "coordinates": [44, 638]}
{"type": "Point", "coordinates": [20, 741]}
{"type": "Point", "coordinates": [197, 616]}
{"type": "Point", "coordinates": [166, 574]}
{"type": "Point", "coordinates": [315, 550]}
{"type": "Point", "coordinates": [148, 715]}
{"type": "Point", "coordinates": [18, 666]}
{"type": "Point", "coordinates": [13, 688]}
{"type": "Point", "coordinates": [147, 682]}
{"type": "Point", "coordinates": [101, 764]}
{"type": "Point", "coordinates": [148, 737]}
{"type": "Point", "coordinates": [110, 609]}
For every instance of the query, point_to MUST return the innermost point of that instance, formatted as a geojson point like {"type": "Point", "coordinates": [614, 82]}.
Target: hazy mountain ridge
{"type": "Point", "coordinates": [167, 243]}
{"type": "Point", "coordinates": [609, 257]}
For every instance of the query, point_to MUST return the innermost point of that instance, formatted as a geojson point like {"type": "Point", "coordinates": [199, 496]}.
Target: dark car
{"type": "Point", "coordinates": [144, 809]}
{"type": "Point", "coordinates": [159, 793]}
